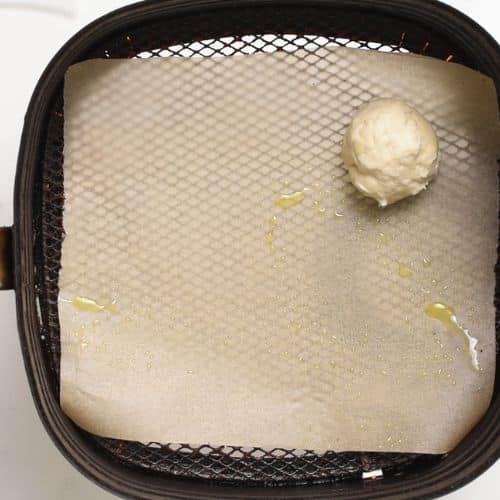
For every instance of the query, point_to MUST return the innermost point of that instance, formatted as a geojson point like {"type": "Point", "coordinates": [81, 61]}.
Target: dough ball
{"type": "Point", "coordinates": [390, 150]}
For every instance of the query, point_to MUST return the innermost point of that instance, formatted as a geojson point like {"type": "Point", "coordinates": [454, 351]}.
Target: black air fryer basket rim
{"type": "Point", "coordinates": [477, 452]}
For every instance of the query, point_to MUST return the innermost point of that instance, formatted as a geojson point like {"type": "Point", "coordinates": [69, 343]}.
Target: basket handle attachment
{"type": "Point", "coordinates": [6, 267]}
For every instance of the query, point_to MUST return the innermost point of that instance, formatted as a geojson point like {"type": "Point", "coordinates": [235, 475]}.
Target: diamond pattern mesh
{"type": "Point", "coordinates": [221, 35]}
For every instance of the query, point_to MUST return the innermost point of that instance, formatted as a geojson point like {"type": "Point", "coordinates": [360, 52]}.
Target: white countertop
{"type": "Point", "coordinates": [31, 468]}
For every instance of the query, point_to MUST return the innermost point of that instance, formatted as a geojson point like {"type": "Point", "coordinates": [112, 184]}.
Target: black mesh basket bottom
{"type": "Point", "coordinates": [223, 463]}
{"type": "Point", "coordinates": [205, 35]}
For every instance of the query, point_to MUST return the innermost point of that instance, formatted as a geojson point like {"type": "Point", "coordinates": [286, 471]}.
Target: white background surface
{"type": "Point", "coordinates": [30, 466]}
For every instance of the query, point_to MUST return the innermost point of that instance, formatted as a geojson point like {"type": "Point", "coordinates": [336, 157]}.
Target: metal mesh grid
{"type": "Point", "coordinates": [255, 465]}
{"type": "Point", "coordinates": [236, 464]}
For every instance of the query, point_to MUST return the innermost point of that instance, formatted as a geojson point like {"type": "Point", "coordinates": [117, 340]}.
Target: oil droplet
{"type": "Point", "coordinates": [295, 327]}
{"type": "Point", "coordinates": [446, 315]}
{"type": "Point", "coordinates": [434, 282]}
{"type": "Point", "coordinates": [383, 238]}
{"type": "Point", "coordinates": [383, 372]}
{"type": "Point", "coordinates": [338, 215]}
{"type": "Point", "coordinates": [359, 226]}
{"type": "Point", "coordinates": [89, 305]}
{"type": "Point", "coordinates": [426, 262]}
{"type": "Point", "coordinates": [80, 332]}
{"type": "Point", "coordinates": [290, 200]}
{"type": "Point", "coordinates": [405, 271]}
{"type": "Point", "coordinates": [270, 234]}
{"type": "Point", "coordinates": [84, 304]}
{"type": "Point", "coordinates": [319, 209]}
{"type": "Point", "coordinates": [84, 344]}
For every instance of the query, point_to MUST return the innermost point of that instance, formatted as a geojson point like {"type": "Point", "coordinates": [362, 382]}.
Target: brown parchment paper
{"type": "Point", "coordinates": [223, 325]}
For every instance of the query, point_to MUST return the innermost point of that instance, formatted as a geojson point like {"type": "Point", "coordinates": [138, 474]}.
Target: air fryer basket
{"type": "Point", "coordinates": [201, 29]}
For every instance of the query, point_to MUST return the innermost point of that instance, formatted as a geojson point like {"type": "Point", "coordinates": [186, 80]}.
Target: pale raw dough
{"type": "Point", "coordinates": [390, 150]}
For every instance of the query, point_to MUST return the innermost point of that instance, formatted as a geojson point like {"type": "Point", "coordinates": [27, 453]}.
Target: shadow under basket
{"type": "Point", "coordinates": [196, 28]}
